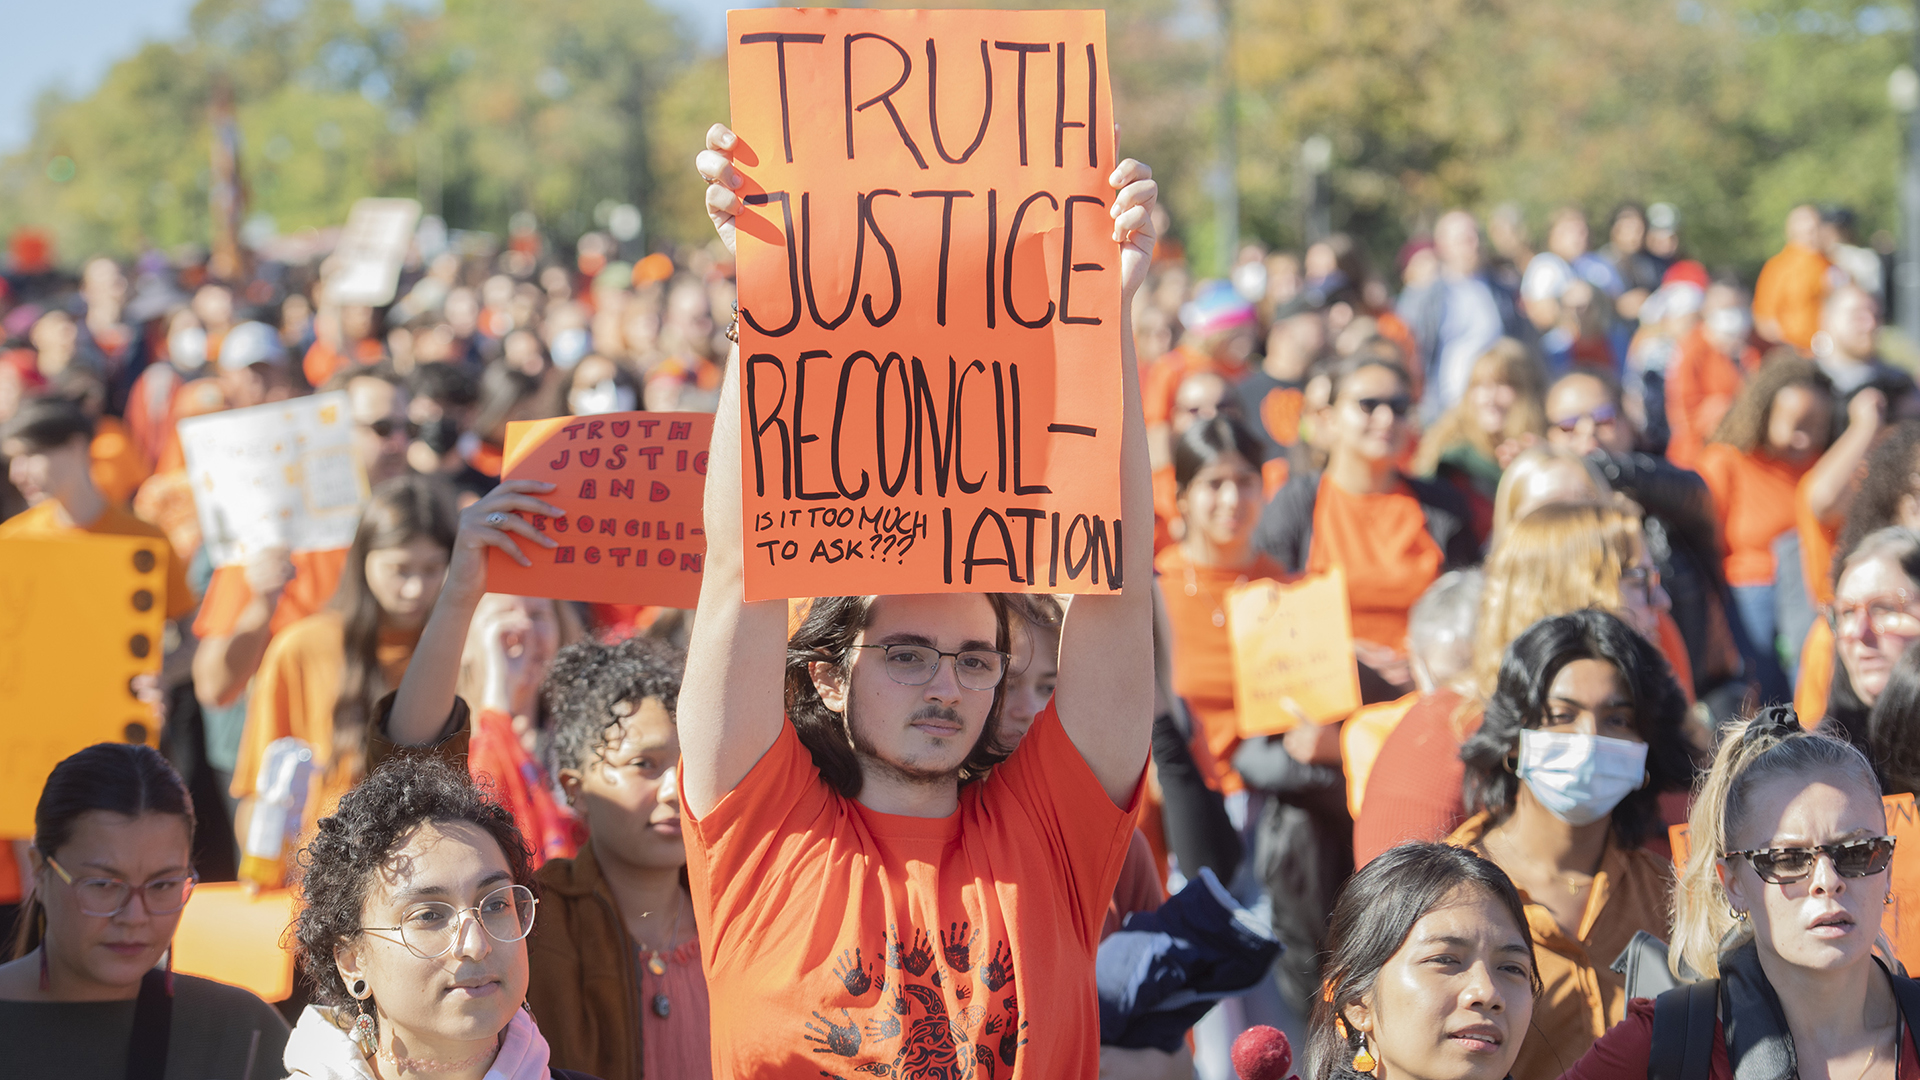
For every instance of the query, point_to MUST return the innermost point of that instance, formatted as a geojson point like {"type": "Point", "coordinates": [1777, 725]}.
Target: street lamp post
{"type": "Point", "coordinates": [1903, 92]}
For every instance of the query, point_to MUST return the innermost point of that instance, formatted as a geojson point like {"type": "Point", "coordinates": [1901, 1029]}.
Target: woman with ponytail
{"type": "Point", "coordinates": [82, 995]}
{"type": "Point", "coordinates": [1779, 907]}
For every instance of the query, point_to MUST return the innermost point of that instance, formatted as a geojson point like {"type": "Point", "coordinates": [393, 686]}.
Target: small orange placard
{"type": "Point", "coordinates": [632, 485]}
{"type": "Point", "coordinates": [235, 937]}
{"type": "Point", "coordinates": [929, 301]}
{"type": "Point", "coordinates": [1292, 650]}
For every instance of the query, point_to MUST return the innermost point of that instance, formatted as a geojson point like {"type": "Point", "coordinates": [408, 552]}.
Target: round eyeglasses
{"type": "Point", "coordinates": [1855, 859]}
{"type": "Point", "coordinates": [105, 897]}
{"type": "Point", "coordinates": [915, 665]}
{"type": "Point", "coordinates": [431, 929]}
{"type": "Point", "coordinates": [1891, 614]}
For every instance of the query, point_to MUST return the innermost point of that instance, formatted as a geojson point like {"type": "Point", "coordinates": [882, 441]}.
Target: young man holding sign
{"type": "Point", "coordinates": [878, 896]}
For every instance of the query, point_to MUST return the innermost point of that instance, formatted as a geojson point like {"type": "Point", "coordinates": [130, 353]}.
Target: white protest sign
{"type": "Point", "coordinates": [276, 475]}
{"type": "Point", "coordinates": [373, 247]}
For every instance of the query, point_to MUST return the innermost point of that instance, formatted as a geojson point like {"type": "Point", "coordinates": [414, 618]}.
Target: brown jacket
{"type": "Point", "coordinates": [1581, 996]}
{"type": "Point", "coordinates": [584, 989]}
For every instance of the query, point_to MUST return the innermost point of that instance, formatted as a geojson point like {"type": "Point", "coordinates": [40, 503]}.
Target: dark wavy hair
{"type": "Point", "coordinates": [1207, 442]}
{"type": "Point", "coordinates": [129, 779]}
{"type": "Point", "coordinates": [1519, 701]}
{"type": "Point", "coordinates": [338, 866]}
{"type": "Point", "coordinates": [1371, 919]}
{"type": "Point", "coordinates": [826, 636]}
{"type": "Point", "coordinates": [402, 510]}
{"type": "Point", "coordinates": [1891, 474]}
{"type": "Point", "coordinates": [589, 681]}
{"type": "Point", "coordinates": [1745, 426]}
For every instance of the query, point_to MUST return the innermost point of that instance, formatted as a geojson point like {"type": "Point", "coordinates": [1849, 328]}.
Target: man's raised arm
{"type": "Point", "coordinates": [1105, 691]}
{"type": "Point", "coordinates": [731, 700]}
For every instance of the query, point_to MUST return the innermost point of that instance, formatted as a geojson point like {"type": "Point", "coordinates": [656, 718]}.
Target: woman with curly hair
{"type": "Point", "coordinates": [616, 974]}
{"type": "Point", "coordinates": [1778, 428]}
{"type": "Point", "coordinates": [416, 899]}
{"type": "Point", "coordinates": [1579, 739]}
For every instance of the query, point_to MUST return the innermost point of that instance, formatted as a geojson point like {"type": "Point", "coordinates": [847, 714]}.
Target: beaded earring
{"type": "Point", "coordinates": [1363, 1061]}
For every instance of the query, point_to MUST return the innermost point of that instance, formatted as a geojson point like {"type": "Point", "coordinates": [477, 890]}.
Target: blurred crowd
{"type": "Point", "coordinates": [1507, 429]}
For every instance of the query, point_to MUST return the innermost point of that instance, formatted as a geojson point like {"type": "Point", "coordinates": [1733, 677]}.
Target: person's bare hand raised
{"type": "Point", "coordinates": [723, 180]}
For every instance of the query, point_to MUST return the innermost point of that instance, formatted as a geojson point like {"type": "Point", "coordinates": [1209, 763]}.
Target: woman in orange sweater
{"type": "Point", "coordinates": [321, 676]}
{"type": "Point", "coordinates": [1216, 473]}
{"type": "Point", "coordinates": [1777, 429]}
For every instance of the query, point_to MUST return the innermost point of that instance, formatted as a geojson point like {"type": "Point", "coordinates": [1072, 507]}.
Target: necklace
{"type": "Point", "coordinates": [428, 1065]}
{"type": "Point", "coordinates": [662, 1006]}
{"type": "Point", "coordinates": [1194, 589]}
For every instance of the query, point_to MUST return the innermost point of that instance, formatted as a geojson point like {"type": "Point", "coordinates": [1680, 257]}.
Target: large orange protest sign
{"type": "Point", "coordinates": [80, 617]}
{"type": "Point", "coordinates": [1292, 650]}
{"type": "Point", "coordinates": [929, 315]}
{"type": "Point", "coordinates": [631, 484]}
{"type": "Point", "coordinates": [231, 934]}
{"type": "Point", "coordinates": [1901, 923]}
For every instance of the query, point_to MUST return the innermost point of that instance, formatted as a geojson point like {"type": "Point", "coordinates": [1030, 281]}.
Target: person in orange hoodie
{"type": "Point", "coordinates": [1793, 284]}
{"type": "Point", "coordinates": [1777, 429]}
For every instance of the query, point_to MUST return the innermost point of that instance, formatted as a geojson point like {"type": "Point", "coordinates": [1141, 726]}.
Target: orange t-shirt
{"type": "Point", "coordinates": [1361, 737]}
{"type": "Point", "coordinates": [316, 574]}
{"type": "Point", "coordinates": [1382, 543]}
{"type": "Point", "coordinates": [1701, 385]}
{"type": "Point", "coordinates": [1203, 653]}
{"type": "Point", "coordinates": [294, 694]}
{"type": "Point", "coordinates": [838, 939]}
{"type": "Point", "coordinates": [1165, 374]}
{"type": "Point", "coordinates": [1753, 496]}
{"type": "Point", "coordinates": [1816, 675]}
{"type": "Point", "coordinates": [1816, 545]}
{"type": "Point", "coordinates": [118, 465]}
{"type": "Point", "coordinates": [42, 522]}
{"type": "Point", "coordinates": [1791, 288]}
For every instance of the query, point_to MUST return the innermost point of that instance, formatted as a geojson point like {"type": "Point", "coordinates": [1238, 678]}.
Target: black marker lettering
{"type": "Point", "coordinates": [1020, 98]}
{"type": "Point", "coordinates": [760, 426]}
{"type": "Point", "coordinates": [793, 274]}
{"type": "Point", "coordinates": [1006, 272]}
{"type": "Point", "coordinates": [1068, 267]}
{"type": "Point", "coordinates": [886, 98]}
{"type": "Point", "coordinates": [800, 439]}
{"type": "Point", "coordinates": [867, 222]}
{"type": "Point", "coordinates": [933, 110]}
{"type": "Point", "coordinates": [946, 240]}
{"type": "Point", "coordinates": [780, 50]}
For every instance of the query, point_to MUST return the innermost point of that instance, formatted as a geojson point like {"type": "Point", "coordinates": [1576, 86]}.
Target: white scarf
{"type": "Point", "coordinates": [320, 1049]}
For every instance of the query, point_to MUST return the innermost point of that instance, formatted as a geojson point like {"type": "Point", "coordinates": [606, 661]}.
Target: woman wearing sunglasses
{"type": "Point", "coordinates": [1779, 907]}
{"type": "Point", "coordinates": [1391, 534]}
{"type": "Point", "coordinates": [112, 870]}
{"type": "Point", "coordinates": [416, 902]}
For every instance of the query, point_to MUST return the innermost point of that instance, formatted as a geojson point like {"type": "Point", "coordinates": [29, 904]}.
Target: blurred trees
{"type": "Point", "coordinates": [1731, 109]}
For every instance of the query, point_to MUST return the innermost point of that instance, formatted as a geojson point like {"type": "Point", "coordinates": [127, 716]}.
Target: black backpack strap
{"type": "Point", "coordinates": [1906, 994]}
{"type": "Point", "coordinates": [152, 1027]}
{"type": "Point", "coordinates": [1683, 1023]}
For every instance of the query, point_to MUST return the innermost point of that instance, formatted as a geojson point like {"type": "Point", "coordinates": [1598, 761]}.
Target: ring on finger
{"type": "Point", "coordinates": [496, 519]}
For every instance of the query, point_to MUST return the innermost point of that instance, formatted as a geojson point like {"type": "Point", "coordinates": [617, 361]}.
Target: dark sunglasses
{"type": "Point", "coordinates": [1400, 405]}
{"type": "Point", "coordinates": [387, 425]}
{"type": "Point", "coordinates": [1604, 414]}
{"type": "Point", "coordinates": [1856, 858]}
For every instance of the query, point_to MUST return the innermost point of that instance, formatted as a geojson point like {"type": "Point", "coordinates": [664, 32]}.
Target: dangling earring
{"type": "Point", "coordinates": [363, 1032]}
{"type": "Point", "coordinates": [1737, 914]}
{"type": "Point", "coordinates": [1363, 1061]}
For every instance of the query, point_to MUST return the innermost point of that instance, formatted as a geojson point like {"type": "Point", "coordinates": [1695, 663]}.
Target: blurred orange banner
{"type": "Point", "coordinates": [233, 936]}
{"type": "Point", "coordinates": [632, 484]}
{"type": "Point", "coordinates": [1292, 649]}
{"type": "Point", "coordinates": [79, 618]}
{"type": "Point", "coordinates": [1902, 921]}
{"type": "Point", "coordinates": [929, 301]}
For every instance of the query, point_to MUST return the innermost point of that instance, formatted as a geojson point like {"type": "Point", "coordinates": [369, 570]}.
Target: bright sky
{"type": "Point", "coordinates": [72, 43]}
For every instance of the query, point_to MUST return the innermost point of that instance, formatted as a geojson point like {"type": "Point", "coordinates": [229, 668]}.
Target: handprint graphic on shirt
{"type": "Point", "coordinates": [852, 975]}
{"type": "Point", "coordinates": [957, 947]}
{"type": "Point", "coordinates": [842, 1039]}
{"type": "Point", "coordinates": [999, 969]}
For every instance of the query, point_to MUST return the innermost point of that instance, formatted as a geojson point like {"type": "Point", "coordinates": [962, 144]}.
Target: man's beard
{"type": "Point", "coordinates": [873, 763]}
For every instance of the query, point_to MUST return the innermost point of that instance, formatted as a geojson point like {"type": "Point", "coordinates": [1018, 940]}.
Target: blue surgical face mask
{"type": "Point", "coordinates": [1580, 778]}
